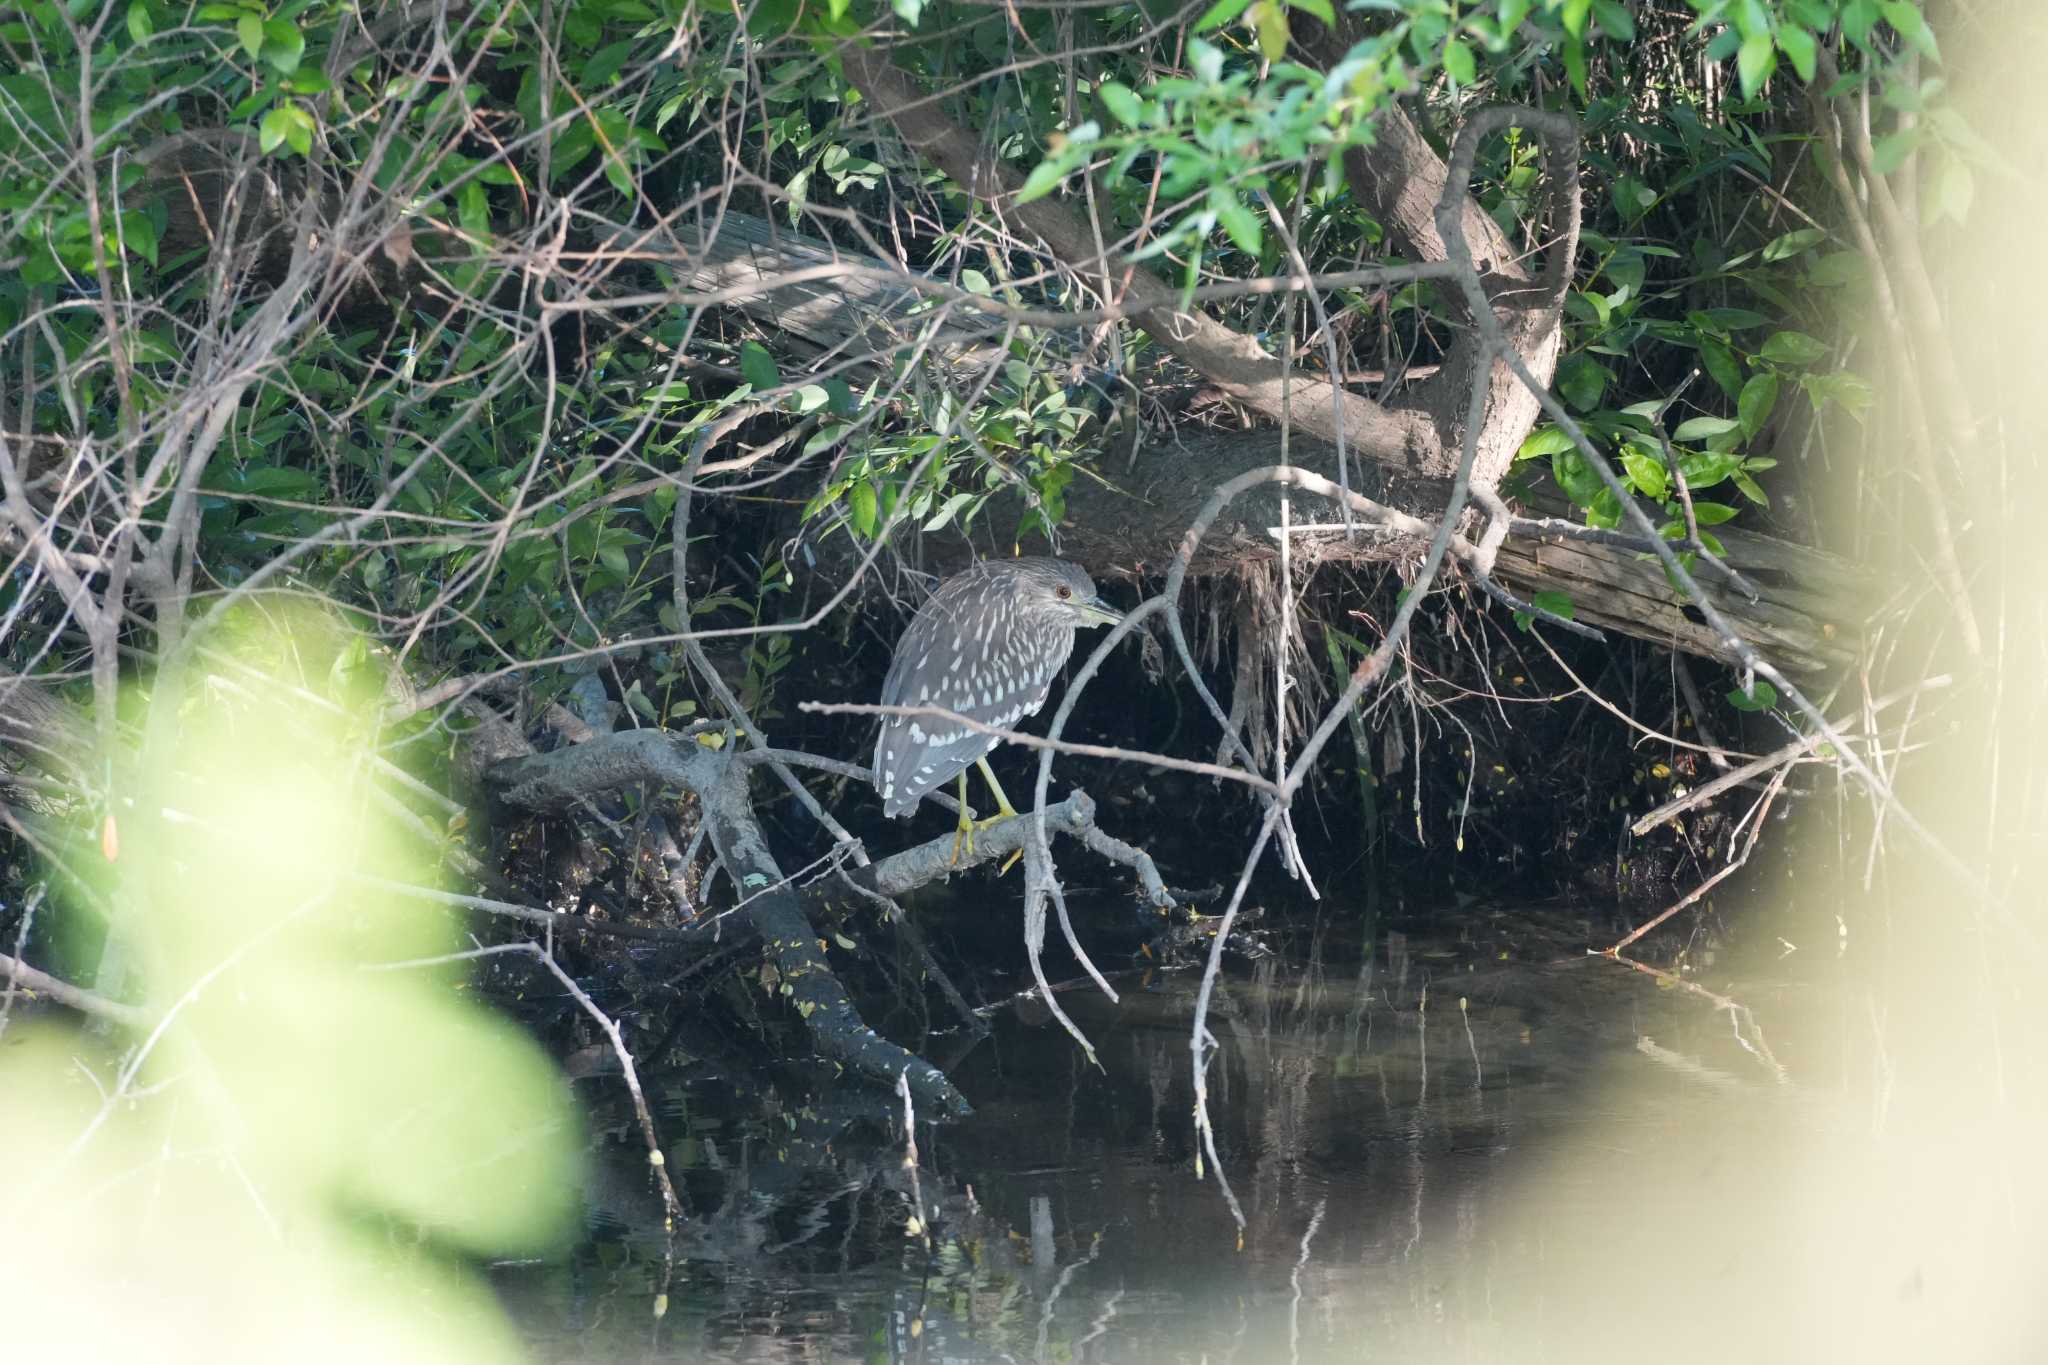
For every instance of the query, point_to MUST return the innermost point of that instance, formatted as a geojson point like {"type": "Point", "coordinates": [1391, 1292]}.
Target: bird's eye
{"type": "Point", "coordinates": [1065, 592]}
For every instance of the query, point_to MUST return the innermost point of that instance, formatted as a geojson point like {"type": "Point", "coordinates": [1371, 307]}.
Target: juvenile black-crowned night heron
{"type": "Point", "coordinates": [986, 645]}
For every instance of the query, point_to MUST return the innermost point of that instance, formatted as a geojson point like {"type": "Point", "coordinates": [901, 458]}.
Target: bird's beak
{"type": "Point", "coordinates": [1097, 613]}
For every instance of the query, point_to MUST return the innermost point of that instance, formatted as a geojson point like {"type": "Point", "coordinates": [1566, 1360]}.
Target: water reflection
{"type": "Point", "coordinates": [1383, 1116]}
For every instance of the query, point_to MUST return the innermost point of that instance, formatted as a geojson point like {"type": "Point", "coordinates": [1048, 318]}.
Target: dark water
{"type": "Point", "coordinates": [1419, 1133]}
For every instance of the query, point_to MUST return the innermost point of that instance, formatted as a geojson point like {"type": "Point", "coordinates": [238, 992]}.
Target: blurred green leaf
{"type": "Point", "coordinates": [757, 367]}
{"type": "Point", "coordinates": [1793, 348]}
{"type": "Point", "coordinates": [1699, 428]}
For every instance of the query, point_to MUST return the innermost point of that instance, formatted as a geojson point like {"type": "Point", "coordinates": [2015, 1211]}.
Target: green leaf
{"type": "Point", "coordinates": [1545, 440]}
{"type": "Point", "coordinates": [151, 347]}
{"type": "Point", "coordinates": [757, 367]}
{"type": "Point", "coordinates": [1269, 21]}
{"type": "Point", "coordinates": [1605, 510]}
{"type": "Point", "coordinates": [1615, 20]}
{"type": "Point", "coordinates": [1722, 365]}
{"type": "Point", "coordinates": [909, 11]}
{"type": "Point", "coordinates": [1759, 396]}
{"type": "Point", "coordinates": [1582, 380]}
{"type": "Point", "coordinates": [1574, 56]}
{"type": "Point", "coordinates": [862, 506]}
{"type": "Point", "coordinates": [1576, 477]}
{"type": "Point", "coordinates": [618, 173]}
{"type": "Point", "coordinates": [283, 45]}
{"type": "Point", "coordinates": [613, 557]}
{"type": "Point", "coordinates": [1726, 319]}
{"type": "Point", "coordinates": [1240, 222]}
{"type": "Point", "coordinates": [298, 130]}
{"type": "Point", "coordinates": [1700, 428]}
{"type": "Point", "coordinates": [1556, 603]}
{"type": "Point", "coordinates": [1321, 9]}
{"type": "Point", "coordinates": [1852, 391]}
{"type": "Point", "coordinates": [1754, 62]}
{"type": "Point", "coordinates": [1705, 469]}
{"type": "Point", "coordinates": [946, 511]}
{"type": "Point", "coordinates": [271, 133]}
{"type": "Point", "coordinates": [138, 234]}
{"type": "Point", "coordinates": [1837, 268]}
{"type": "Point", "coordinates": [1646, 472]}
{"type": "Point", "coordinates": [1221, 13]}
{"type": "Point", "coordinates": [473, 209]}
{"type": "Point", "coordinates": [1889, 152]}
{"type": "Point", "coordinates": [1763, 697]}
{"type": "Point", "coordinates": [1122, 102]}
{"type": "Point", "coordinates": [1712, 513]}
{"type": "Point", "coordinates": [1752, 490]}
{"type": "Point", "coordinates": [1797, 44]}
{"type": "Point", "coordinates": [1793, 348]}
{"type": "Point", "coordinates": [1044, 178]}
{"type": "Point", "coordinates": [1905, 17]}
{"type": "Point", "coordinates": [1458, 62]}
{"type": "Point", "coordinates": [141, 26]}
{"type": "Point", "coordinates": [1792, 243]}
{"type": "Point", "coordinates": [1954, 189]}
{"type": "Point", "coordinates": [249, 29]}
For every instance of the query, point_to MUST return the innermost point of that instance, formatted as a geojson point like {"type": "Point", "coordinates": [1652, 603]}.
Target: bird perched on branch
{"type": "Point", "coordinates": [985, 646]}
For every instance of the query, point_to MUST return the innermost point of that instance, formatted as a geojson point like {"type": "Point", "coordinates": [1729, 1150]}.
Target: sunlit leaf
{"type": "Point", "coordinates": [1458, 62]}
{"type": "Point", "coordinates": [1545, 440]}
{"type": "Point", "coordinates": [1699, 428]}
{"type": "Point", "coordinates": [1798, 45]}
{"type": "Point", "coordinates": [1759, 396]}
{"type": "Point", "coordinates": [1646, 472]}
{"type": "Point", "coordinates": [1793, 348]}
{"type": "Point", "coordinates": [863, 506]}
{"type": "Point", "coordinates": [1755, 60]}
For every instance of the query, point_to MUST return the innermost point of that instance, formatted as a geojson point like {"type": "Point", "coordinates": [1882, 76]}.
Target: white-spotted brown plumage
{"type": "Point", "coordinates": [986, 645]}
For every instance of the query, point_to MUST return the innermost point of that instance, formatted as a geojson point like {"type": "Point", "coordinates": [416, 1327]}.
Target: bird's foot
{"type": "Point", "coordinates": [963, 839]}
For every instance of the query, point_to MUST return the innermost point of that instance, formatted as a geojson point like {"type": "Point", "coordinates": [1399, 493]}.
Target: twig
{"type": "Point", "coordinates": [37, 982]}
{"type": "Point", "coordinates": [1707, 791]}
{"type": "Point", "coordinates": [1185, 765]}
{"type": "Point", "coordinates": [1761, 812]}
{"type": "Point", "coordinates": [656, 1161]}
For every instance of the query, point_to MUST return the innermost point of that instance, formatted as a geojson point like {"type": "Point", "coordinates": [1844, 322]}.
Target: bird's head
{"type": "Point", "coordinates": [1054, 585]}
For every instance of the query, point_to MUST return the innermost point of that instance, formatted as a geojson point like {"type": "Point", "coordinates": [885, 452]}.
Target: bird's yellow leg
{"type": "Point", "coordinates": [963, 837]}
{"type": "Point", "coordinates": [1004, 810]}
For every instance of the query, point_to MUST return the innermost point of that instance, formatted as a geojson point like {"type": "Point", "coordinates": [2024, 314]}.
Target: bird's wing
{"type": "Point", "coordinates": [952, 657]}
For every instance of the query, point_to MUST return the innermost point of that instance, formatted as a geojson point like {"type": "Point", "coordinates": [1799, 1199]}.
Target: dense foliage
{"type": "Point", "coordinates": [448, 423]}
